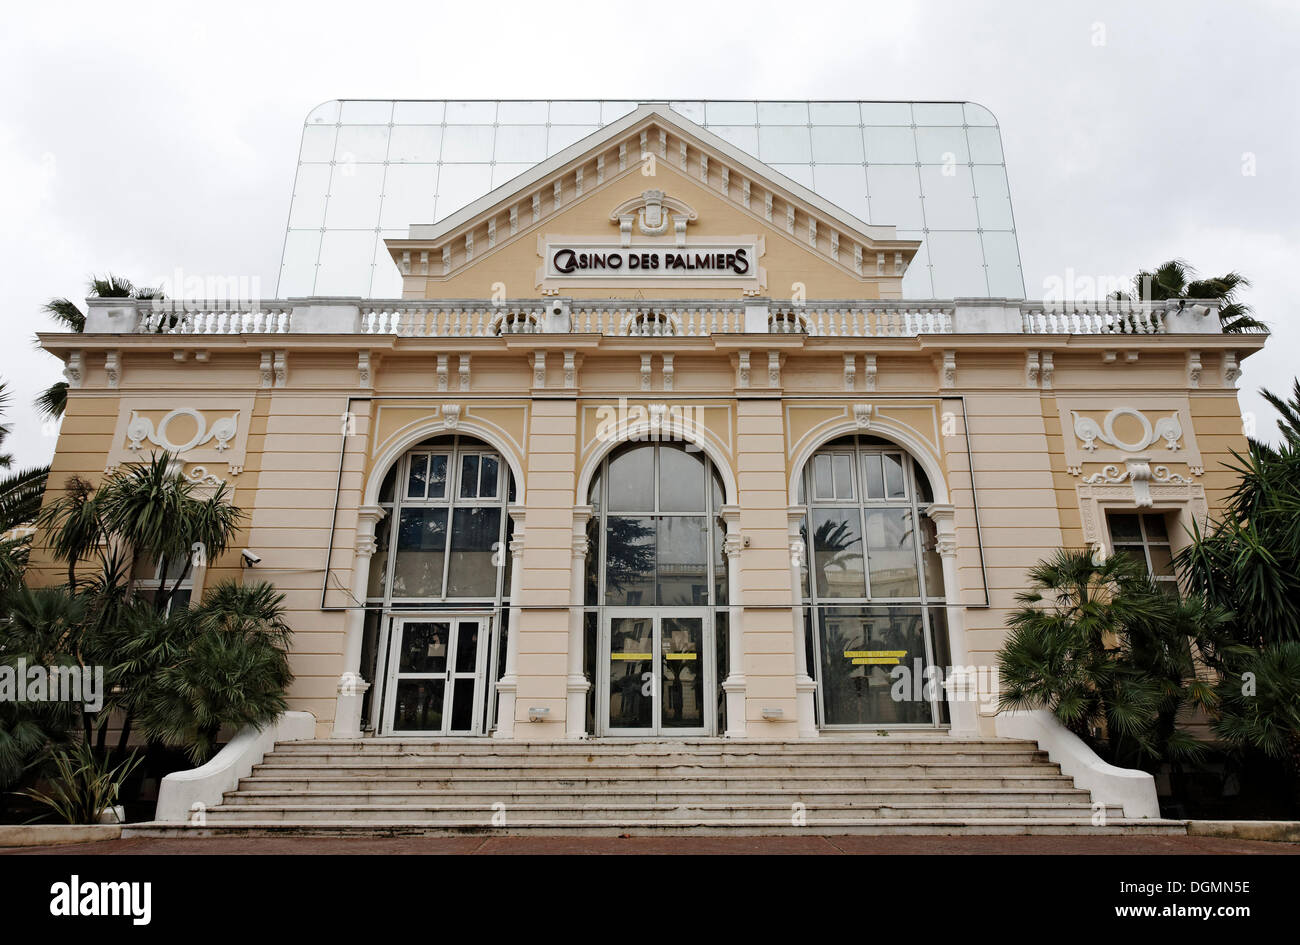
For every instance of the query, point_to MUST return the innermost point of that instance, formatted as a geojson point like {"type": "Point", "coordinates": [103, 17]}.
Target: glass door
{"type": "Point", "coordinates": [657, 674]}
{"type": "Point", "coordinates": [435, 676]}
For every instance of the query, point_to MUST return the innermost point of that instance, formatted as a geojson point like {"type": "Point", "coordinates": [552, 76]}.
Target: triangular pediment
{"type": "Point", "coordinates": [642, 183]}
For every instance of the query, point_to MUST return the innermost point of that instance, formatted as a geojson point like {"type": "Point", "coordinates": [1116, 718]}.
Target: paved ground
{"type": "Point", "coordinates": [676, 845]}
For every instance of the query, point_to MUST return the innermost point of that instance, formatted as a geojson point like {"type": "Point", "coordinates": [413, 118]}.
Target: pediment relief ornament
{"type": "Point", "coordinates": [205, 430]}
{"type": "Point", "coordinates": [653, 214]}
{"type": "Point", "coordinates": [139, 429]}
{"type": "Point", "coordinates": [1089, 431]}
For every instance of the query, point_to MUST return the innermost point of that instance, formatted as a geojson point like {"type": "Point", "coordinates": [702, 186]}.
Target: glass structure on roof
{"type": "Point", "coordinates": [367, 169]}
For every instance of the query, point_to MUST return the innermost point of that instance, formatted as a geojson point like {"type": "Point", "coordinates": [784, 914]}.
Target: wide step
{"type": "Point", "coordinates": [913, 784]}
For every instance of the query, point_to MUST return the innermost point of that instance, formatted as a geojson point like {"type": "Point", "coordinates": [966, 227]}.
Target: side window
{"type": "Point", "coordinates": [1145, 538]}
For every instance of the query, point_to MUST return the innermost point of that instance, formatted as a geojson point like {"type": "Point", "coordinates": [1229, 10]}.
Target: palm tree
{"type": "Point", "coordinates": [1174, 280]}
{"type": "Point", "coordinates": [73, 524]}
{"type": "Point", "coordinates": [1096, 644]}
{"type": "Point", "coordinates": [1264, 715]}
{"type": "Point", "coordinates": [20, 500]}
{"type": "Point", "coordinates": [42, 627]}
{"type": "Point", "coordinates": [53, 401]}
{"type": "Point", "coordinates": [156, 511]}
{"type": "Point", "coordinates": [232, 671]}
{"type": "Point", "coordinates": [1248, 559]}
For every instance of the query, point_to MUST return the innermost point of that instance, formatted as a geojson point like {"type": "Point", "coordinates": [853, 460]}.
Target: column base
{"type": "Point", "coordinates": [347, 709]}
{"type": "Point", "coordinates": [506, 707]}
{"type": "Point", "coordinates": [805, 701]}
{"type": "Point", "coordinates": [575, 710]}
{"type": "Point", "coordinates": [963, 709]}
{"type": "Point", "coordinates": [734, 687]}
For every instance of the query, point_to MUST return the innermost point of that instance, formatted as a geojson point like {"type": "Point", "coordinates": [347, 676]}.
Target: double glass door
{"type": "Point", "coordinates": [436, 675]}
{"type": "Point", "coordinates": [657, 673]}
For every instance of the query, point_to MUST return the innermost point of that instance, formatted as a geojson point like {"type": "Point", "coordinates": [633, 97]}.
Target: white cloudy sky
{"type": "Point", "coordinates": [136, 138]}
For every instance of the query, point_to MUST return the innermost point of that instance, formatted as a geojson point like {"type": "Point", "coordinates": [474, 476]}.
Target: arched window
{"type": "Point", "coordinates": [872, 579]}
{"type": "Point", "coordinates": [655, 578]}
{"type": "Point", "coordinates": [436, 624]}
{"type": "Point", "coordinates": [444, 536]}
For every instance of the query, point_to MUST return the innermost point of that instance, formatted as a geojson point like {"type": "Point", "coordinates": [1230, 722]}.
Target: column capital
{"type": "Point", "coordinates": [730, 515]}
{"type": "Point", "coordinates": [941, 513]}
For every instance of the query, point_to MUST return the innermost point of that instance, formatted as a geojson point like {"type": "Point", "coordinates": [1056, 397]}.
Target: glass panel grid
{"type": "Point", "coordinates": [936, 168]}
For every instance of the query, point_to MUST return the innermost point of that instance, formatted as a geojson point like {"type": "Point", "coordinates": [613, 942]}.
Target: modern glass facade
{"type": "Point", "coordinates": [368, 169]}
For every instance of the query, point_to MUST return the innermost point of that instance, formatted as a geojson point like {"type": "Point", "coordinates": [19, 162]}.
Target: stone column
{"type": "Point", "coordinates": [508, 684]}
{"type": "Point", "coordinates": [734, 684]}
{"type": "Point", "coordinates": [959, 683]}
{"type": "Point", "coordinates": [576, 686]}
{"type": "Point", "coordinates": [805, 688]}
{"type": "Point", "coordinates": [352, 684]}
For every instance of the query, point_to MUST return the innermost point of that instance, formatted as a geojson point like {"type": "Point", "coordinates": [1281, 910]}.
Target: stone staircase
{"type": "Point", "coordinates": [872, 784]}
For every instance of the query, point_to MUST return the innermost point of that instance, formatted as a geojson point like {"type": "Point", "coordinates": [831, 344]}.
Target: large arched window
{"type": "Point", "coordinates": [436, 624]}
{"type": "Point", "coordinates": [872, 579]}
{"type": "Point", "coordinates": [655, 578]}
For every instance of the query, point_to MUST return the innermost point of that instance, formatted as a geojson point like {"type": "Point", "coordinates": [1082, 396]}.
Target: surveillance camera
{"type": "Point", "coordinates": [250, 557]}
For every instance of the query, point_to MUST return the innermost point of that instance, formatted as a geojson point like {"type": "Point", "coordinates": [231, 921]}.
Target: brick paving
{"type": "Point", "coordinates": [1105, 845]}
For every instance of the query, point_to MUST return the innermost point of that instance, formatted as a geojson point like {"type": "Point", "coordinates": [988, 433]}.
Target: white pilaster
{"type": "Point", "coordinates": [804, 687]}
{"type": "Point", "coordinates": [352, 684]}
{"type": "Point", "coordinates": [960, 680]}
{"type": "Point", "coordinates": [575, 713]}
{"type": "Point", "coordinates": [509, 681]}
{"type": "Point", "coordinates": [734, 685]}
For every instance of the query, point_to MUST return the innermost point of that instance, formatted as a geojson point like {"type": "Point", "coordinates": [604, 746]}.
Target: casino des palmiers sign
{"type": "Point", "coordinates": [570, 260]}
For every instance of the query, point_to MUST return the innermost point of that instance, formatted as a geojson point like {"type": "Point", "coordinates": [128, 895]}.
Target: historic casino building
{"type": "Point", "coordinates": [658, 440]}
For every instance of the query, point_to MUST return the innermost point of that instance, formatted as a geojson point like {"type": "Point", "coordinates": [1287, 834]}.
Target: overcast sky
{"type": "Point", "coordinates": [137, 138]}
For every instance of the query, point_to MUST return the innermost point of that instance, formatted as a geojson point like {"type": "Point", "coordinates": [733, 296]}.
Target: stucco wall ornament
{"type": "Point", "coordinates": [651, 215]}
{"type": "Point", "coordinates": [1141, 475]}
{"type": "Point", "coordinates": [200, 476]}
{"type": "Point", "coordinates": [1089, 431]}
{"type": "Point", "coordinates": [139, 429]}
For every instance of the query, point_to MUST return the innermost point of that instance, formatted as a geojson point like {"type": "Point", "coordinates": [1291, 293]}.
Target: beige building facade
{"type": "Point", "coordinates": [653, 445]}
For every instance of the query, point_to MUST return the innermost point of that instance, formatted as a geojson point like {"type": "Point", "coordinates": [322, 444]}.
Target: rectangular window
{"type": "Point", "coordinates": [427, 476]}
{"type": "Point", "coordinates": [149, 575]}
{"type": "Point", "coordinates": [1145, 538]}
{"type": "Point", "coordinates": [837, 553]}
{"type": "Point", "coordinates": [833, 476]}
{"type": "Point", "coordinates": [891, 553]}
{"type": "Point", "coordinates": [475, 534]}
{"type": "Point", "coordinates": [421, 552]}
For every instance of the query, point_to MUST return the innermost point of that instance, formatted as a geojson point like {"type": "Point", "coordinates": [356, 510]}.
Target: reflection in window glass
{"type": "Point", "coordinates": [417, 481]}
{"type": "Point", "coordinates": [474, 533]}
{"type": "Point", "coordinates": [894, 488]}
{"type": "Point", "coordinates": [859, 649]}
{"type": "Point", "coordinates": [629, 560]}
{"type": "Point", "coordinates": [681, 480]}
{"type": "Point", "coordinates": [631, 480]}
{"type": "Point", "coordinates": [488, 475]}
{"type": "Point", "coordinates": [891, 553]}
{"type": "Point", "coordinates": [872, 476]}
{"type": "Point", "coordinates": [837, 553]}
{"type": "Point", "coordinates": [682, 561]}
{"type": "Point", "coordinates": [421, 552]}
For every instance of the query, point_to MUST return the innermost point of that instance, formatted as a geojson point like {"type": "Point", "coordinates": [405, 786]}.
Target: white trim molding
{"type": "Point", "coordinates": [1133, 791]}
{"type": "Point", "coordinates": [184, 796]}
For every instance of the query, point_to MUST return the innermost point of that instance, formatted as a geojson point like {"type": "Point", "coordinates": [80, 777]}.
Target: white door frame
{"type": "Point", "coordinates": [708, 657]}
{"type": "Point", "coordinates": [392, 649]}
